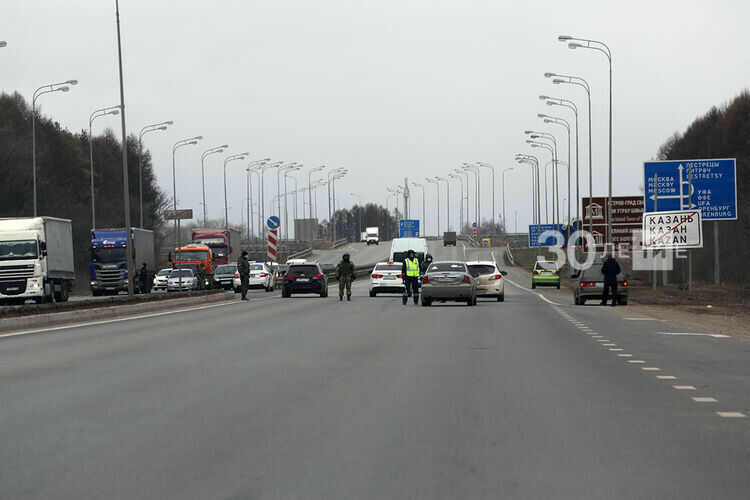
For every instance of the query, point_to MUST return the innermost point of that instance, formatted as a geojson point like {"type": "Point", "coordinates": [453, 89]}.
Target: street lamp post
{"type": "Point", "coordinates": [359, 202]}
{"type": "Point", "coordinates": [505, 230]}
{"type": "Point", "coordinates": [263, 193]}
{"type": "Point", "coordinates": [146, 130]}
{"type": "Point", "coordinates": [536, 144]}
{"type": "Point", "coordinates": [424, 227]}
{"type": "Point", "coordinates": [447, 202]}
{"type": "Point", "coordinates": [534, 162]}
{"type": "Point", "coordinates": [566, 124]}
{"type": "Point", "coordinates": [467, 212]}
{"type": "Point", "coordinates": [286, 170]}
{"type": "Point", "coordinates": [491, 167]}
{"type": "Point", "coordinates": [461, 202]}
{"type": "Point", "coordinates": [477, 192]}
{"type": "Point", "coordinates": [437, 187]}
{"type": "Point", "coordinates": [309, 189]}
{"type": "Point", "coordinates": [208, 152]}
{"type": "Point", "coordinates": [601, 47]}
{"type": "Point", "coordinates": [278, 187]}
{"type": "Point", "coordinates": [555, 184]}
{"type": "Point", "coordinates": [177, 145]}
{"type": "Point", "coordinates": [44, 89]}
{"type": "Point", "coordinates": [240, 156]}
{"type": "Point", "coordinates": [114, 110]}
{"type": "Point", "coordinates": [253, 166]}
{"type": "Point", "coordinates": [575, 80]}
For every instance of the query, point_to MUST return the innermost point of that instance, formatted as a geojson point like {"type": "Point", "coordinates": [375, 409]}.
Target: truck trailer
{"type": "Point", "coordinates": [36, 259]}
{"type": "Point", "coordinates": [224, 244]}
{"type": "Point", "coordinates": [108, 266]}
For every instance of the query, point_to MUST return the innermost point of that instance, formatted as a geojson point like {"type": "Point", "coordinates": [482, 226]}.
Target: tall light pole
{"type": "Point", "coordinates": [424, 223]}
{"type": "Point", "coordinates": [286, 170]}
{"type": "Point", "coordinates": [278, 185]}
{"type": "Point", "coordinates": [177, 145]}
{"type": "Point", "coordinates": [544, 145]}
{"type": "Point", "coordinates": [601, 47]}
{"type": "Point", "coordinates": [338, 174]}
{"type": "Point", "coordinates": [461, 201]}
{"type": "Point", "coordinates": [539, 136]}
{"type": "Point", "coordinates": [575, 80]}
{"type": "Point", "coordinates": [437, 187]}
{"type": "Point", "coordinates": [467, 213]}
{"type": "Point", "coordinates": [505, 230]}
{"type": "Point", "coordinates": [487, 165]}
{"type": "Point", "coordinates": [253, 166]}
{"type": "Point", "coordinates": [556, 101]}
{"type": "Point", "coordinates": [447, 202]}
{"type": "Point", "coordinates": [263, 193]}
{"type": "Point", "coordinates": [44, 89]}
{"type": "Point", "coordinates": [561, 121]}
{"type": "Point", "coordinates": [114, 110]}
{"type": "Point", "coordinates": [309, 187]}
{"type": "Point", "coordinates": [477, 193]}
{"type": "Point", "coordinates": [208, 152]}
{"type": "Point", "coordinates": [359, 202]}
{"type": "Point", "coordinates": [145, 130]}
{"type": "Point", "coordinates": [534, 162]}
{"type": "Point", "coordinates": [240, 156]}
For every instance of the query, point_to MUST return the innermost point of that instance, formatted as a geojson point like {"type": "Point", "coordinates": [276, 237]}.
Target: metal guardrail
{"type": "Point", "coordinates": [302, 253]}
{"type": "Point", "coordinates": [339, 243]}
{"type": "Point", "coordinates": [509, 255]}
{"type": "Point", "coordinates": [468, 238]}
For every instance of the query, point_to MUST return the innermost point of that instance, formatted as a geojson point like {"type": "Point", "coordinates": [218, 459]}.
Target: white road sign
{"type": "Point", "coordinates": [681, 229]}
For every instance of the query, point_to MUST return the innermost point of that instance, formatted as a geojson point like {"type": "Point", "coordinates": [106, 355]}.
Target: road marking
{"type": "Point", "coordinates": [684, 387]}
{"type": "Point", "coordinates": [602, 340]}
{"type": "Point", "coordinates": [666, 377]}
{"type": "Point", "coordinates": [598, 337]}
{"type": "Point", "coordinates": [642, 319]}
{"type": "Point", "coordinates": [705, 400]}
{"type": "Point", "coordinates": [595, 334]}
{"type": "Point", "coordinates": [532, 291]}
{"type": "Point", "coordinates": [130, 318]}
{"type": "Point", "coordinates": [614, 349]}
{"type": "Point", "coordinates": [694, 334]}
{"type": "Point", "coordinates": [609, 345]}
{"type": "Point", "coordinates": [731, 414]}
{"type": "Point", "coordinates": [625, 355]}
{"type": "Point", "coordinates": [650, 369]}
{"type": "Point", "coordinates": [635, 361]}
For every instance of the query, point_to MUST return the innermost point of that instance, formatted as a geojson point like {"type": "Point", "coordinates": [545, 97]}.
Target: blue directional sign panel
{"type": "Point", "coordinates": [708, 185]}
{"type": "Point", "coordinates": [273, 222]}
{"type": "Point", "coordinates": [408, 228]}
{"type": "Point", "coordinates": [549, 240]}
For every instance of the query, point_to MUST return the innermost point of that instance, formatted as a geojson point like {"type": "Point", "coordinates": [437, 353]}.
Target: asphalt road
{"type": "Point", "coordinates": [315, 398]}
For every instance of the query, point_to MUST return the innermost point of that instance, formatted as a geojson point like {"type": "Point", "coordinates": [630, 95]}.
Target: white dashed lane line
{"type": "Point", "coordinates": [705, 400]}
{"type": "Point", "coordinates": [731, 414]}
{"type": "Point", "coordinates": [684, 387]}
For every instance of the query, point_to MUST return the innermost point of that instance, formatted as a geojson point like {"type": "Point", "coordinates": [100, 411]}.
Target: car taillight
{"type": "Point", "coordinates": [377, 275]}
{"type": "Point", "coordinates": [399, 276]}
{"type": "Point", "coordinates": [263, 275]}
{"type": "Point", "coordinates": [467, 279]}
{"type": "Point", "coordinates": [557, 272]}
{"type": "Point", "coordinates": [623, 283]}
{"type": "Point", "coordinates": [587, 283]}
{"type": "Point", "coordinates": [425, 279]}
{"type": "Point", "coordinates": [288, 277]}
{"type": "Point", "coordinates": [236, 275]}
{"type": "Point", "coordinates": [498, 276]}
{"type": "Point", "coordinates": [536, 272]}
{"type": "Point", "coordinates": [317, 275]}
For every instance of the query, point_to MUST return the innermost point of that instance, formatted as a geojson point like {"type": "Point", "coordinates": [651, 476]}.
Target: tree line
{"type": "Point", "coordinates": [63, 176]}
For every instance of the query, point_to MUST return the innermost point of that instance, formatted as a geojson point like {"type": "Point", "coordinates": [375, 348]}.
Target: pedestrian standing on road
{"type": "Point", "coordinates": [346, 273]}
{"type": "Point", "coordinates": [201, 276]}
{"type": "Point", "coordinates": [426, 263]}
{"type": "Point", "coordinates": [610, 270]}
{"type": "Point", "coordinates": [410, 275]}
{"type": "Point", "coordinates": [243, 269]}
{"type": "Point", "coordinates": [143, 279]}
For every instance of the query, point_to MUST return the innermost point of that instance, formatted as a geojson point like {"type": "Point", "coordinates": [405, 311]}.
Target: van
{"type": "Point", "coordinates": [400, 247]}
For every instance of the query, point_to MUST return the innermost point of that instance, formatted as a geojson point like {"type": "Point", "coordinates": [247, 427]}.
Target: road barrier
{"type": "Point", "coordinates": [301, 254]}
{"type": "Point", "coordinates": [509, 255]}
{"type": "Point", "coordinates": [339, 243]}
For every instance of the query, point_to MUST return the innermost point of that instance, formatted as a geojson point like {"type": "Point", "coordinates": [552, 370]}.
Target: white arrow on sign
{"type": "Point", "coordinates": [681, 196]}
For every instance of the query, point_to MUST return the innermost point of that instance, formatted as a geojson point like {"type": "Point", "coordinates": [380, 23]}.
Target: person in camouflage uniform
{"type": "Point", "coordinates": [345, 273]}
{"type": "Point", "coordinates": [243, 268]}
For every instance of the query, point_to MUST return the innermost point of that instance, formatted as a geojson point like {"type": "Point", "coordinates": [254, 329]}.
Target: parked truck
{"type": "Point", "coordinates": [36, 259]}
{"type": "Point", "coordinates": [224, 244]}
{"type": "Point", "coordinates": [108, 265]}
{"type": "Point", "coordinates": [449, 238]}
{"type": "Point", "coordinates": [191, 256]}
{"type": "Point", "coordinates": [373, 235]}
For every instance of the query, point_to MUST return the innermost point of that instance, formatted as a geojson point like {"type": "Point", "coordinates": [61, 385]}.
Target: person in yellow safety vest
{"type": "Point", "coordinates": [410, 275]}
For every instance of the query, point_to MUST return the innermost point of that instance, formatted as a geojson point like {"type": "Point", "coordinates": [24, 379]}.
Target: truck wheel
{"type": "Point", "coordinates": [63, 294]}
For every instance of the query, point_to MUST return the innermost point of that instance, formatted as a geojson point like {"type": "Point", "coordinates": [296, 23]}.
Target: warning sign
{"type": "Point", "coordinates": [662, 230]}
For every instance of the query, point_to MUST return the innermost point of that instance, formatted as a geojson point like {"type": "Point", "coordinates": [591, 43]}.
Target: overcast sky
{"type": "Point", "coordinates": [385, 88]}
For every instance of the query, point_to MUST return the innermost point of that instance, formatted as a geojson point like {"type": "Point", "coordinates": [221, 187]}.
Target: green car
{"type": "Point", "coordinates": [546, 273]}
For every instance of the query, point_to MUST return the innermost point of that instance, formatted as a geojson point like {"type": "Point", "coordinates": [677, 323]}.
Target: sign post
{"type": "Point", "coordinates": [273, 224]}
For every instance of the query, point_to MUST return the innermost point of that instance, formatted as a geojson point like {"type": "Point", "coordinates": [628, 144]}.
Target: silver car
{"type": "Point", "coordinates": [160, 280]}
{"type": "Point", "coordinates": [180, 280]}
{"type": "Point", "coordinates": [448, 281]}
{"type": "Point", "coordinates": [489, 278]}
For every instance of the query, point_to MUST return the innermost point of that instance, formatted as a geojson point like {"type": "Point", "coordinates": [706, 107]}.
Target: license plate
{"type": "Point", "coordinates": [303, 279]}
{"type": "Point", "coordinates": [13, 289]}
{"type": "Point", "coordinates": [389, 278]}
{"type": "Point", "coordinates": [445, 280]}
{"type": "Point", "coordinates": [253, 276]}
{"type": "Point", "coordinates": [546, 272]}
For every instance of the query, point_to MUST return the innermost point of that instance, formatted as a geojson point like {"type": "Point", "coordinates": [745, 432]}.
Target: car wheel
{"type": "Point", "coordinates": [324, 292]}
{"type": "Point", "coordinates": [501, 297]}
{"type": "Point", "coordinates": [558, 286]}
{"type": "Point", "coordinates": [426, 302]}
{"type": "Point", "coordinates": [581, 301]}
{"type": "Point", "coordinates": [373, 293]}
{"type": "Point", "coordinates": [533, 285]}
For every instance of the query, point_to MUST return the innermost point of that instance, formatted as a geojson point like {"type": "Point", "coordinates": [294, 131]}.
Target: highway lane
{"type": "Point", "coordinates": [310, 397]}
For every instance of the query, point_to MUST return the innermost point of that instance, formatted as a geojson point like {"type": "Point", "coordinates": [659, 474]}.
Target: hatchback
{"type": "Point", "coordinates": [489, 278]}
{"type": "Point", "coordinates": [305, 278]}
{"type": "Point", "coordinates": [545, 273]}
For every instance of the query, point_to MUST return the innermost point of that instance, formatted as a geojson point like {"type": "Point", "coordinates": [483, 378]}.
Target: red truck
{"type": "Point", "coordinates": [224, 244]}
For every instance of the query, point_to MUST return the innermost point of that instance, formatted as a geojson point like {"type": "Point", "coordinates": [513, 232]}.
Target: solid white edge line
{"type": "Point", "coordinates": [532, 291]}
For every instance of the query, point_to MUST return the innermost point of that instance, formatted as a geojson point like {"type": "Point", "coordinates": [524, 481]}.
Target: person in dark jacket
{"type": "Point", "coordinates": [610, 270]}
{"type": "Point", "coordinates": [143, 279]}
{"type": "Point", "coordinates": [243, 269]}
{"type": "Point", "coordinates": [346, 273]}
{"type": "Point", "coordinates": [426, 263]}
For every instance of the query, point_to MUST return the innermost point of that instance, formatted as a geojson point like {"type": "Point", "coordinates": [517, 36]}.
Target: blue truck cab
{"type": "Point", "coordinates": [108, 265]}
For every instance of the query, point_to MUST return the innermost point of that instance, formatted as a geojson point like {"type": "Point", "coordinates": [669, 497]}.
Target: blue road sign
{"type": "Point", "coordinates": [273, 222]}
{"type": "Point", "coordinates": [713, 190]}
{"type": "Point", "coordinates": [473, 224]}
{"type": "Point", "coordinates": [408, 228]}
{"type": "Point", "coordinates": [549, 240]}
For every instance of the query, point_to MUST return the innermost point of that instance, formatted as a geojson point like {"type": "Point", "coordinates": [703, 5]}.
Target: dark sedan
{"type": "Point", "coordinates": [223, 276]}
{"type": "Point", "coordinates": [305, 278]}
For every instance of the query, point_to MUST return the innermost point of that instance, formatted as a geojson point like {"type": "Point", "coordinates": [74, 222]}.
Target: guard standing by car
{"type": "Point", "coordinates": [345, 273]}
{"type": "Point", "coordinates": [610, 270]}
{"type": "Point", "coordinates": [143, 279]}
{"type": "Point", "coordinates": [243, 269]}
{"type": "Point", "coordinates": [410, 275]}
{"type": "Point", "coordinates": [426, 263]}
{"type": "Point", "coordinates": [201, 276]}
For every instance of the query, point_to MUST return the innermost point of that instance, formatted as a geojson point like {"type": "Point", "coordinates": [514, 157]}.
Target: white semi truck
{"type": "Point", "coordinates": [36, 259]}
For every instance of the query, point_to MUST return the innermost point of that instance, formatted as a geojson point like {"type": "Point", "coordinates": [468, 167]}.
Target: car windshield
{"type": "Point", "coordinates": [185, 273]}
{"type": "Point", "coordinates": [164, 272]}
{"type": "Point", "coordinates": [227, 269]}
{"type": "Point", "coordinates": [16, 250]}
{"type": "Point", "coordinates": [257, 267]}
{"type": "Point", "coordinates": [481, 269]}
{"type": "Point", "coordinates": [108, 254]}
{"type": "Point", "coordinates": [303, 270]}
{"type": "Point", "coordinates": [546, 265]}
{"type": "Point", "coordinates": [448, 266]}
{"type": "Point", "coordinates": [388, 267]}
{"type": "Point", "coordinates": [191, 255]}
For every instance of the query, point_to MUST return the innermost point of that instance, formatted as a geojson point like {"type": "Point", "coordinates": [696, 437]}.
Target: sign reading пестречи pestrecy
{"type": "Point", "coordinates": [708, 185]}
{"type": "Point", "coordinates": [668, 230]}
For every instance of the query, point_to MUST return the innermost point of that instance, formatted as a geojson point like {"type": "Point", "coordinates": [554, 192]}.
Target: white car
{"type": "Point", "coordinates": [261, 276]}
{"type": "Point", "coordinates": [181, 280]}
{"type": "Point", "coordinates": [489, 279]}
{"type": "Point", "coordinates": [386, 278]}
{"type": "Point", "coordinates": [160, 279]}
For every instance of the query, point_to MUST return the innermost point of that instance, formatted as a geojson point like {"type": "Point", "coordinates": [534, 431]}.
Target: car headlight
{"type": "Point", "coordinates": [93, 283]}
